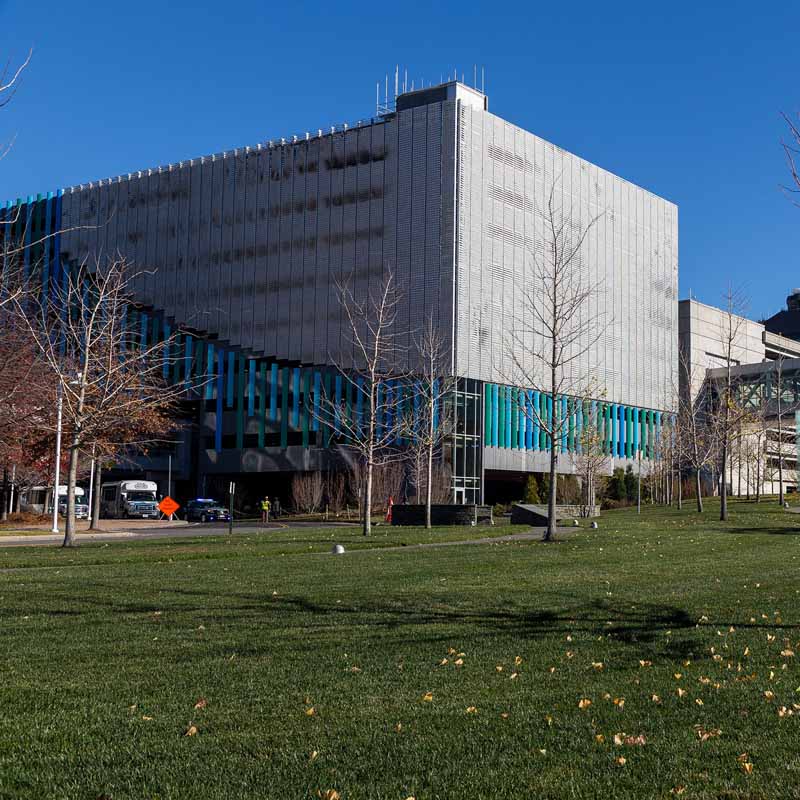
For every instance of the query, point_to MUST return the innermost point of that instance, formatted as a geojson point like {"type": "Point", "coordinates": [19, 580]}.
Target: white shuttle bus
{"type": "Point", "coordinates": [39, 500]}
{"type": "Point", "coordinates": [129, 499]}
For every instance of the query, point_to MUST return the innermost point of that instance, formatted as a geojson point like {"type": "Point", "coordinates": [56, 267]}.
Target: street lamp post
{"type": "Point", "coordinates": [59, 409]}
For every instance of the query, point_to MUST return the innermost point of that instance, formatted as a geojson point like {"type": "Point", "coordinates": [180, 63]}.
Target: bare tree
{"type": "Point", "coordinates": [780, 412]}
{"type": "Point", "coordinates": [307, 491]}
{"type": "Point", "coordinates": [371, 426]}
{"type": "Point", "coordinates": [697, 444]}
{"type": "Point", "coordinates": [335, 490]}
{"type": "Point", "coordinates": [590, 458]}
{"type": "Point", "coordinates": [729, 414]}
{"type": "Point", "coordinates": [428, 417]}
{"type": "Point", "coordinates": [110, 380]}
{"type": "Point", "coordinates": [559, 328]}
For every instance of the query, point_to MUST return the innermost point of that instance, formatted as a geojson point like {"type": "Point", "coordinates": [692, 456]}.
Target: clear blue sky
{"type": "Point", "coordinates": [683, 100]}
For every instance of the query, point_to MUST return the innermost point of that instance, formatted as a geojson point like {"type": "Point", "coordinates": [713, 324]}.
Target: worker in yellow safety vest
{"type": "Point", "coordinates": [265, 510]}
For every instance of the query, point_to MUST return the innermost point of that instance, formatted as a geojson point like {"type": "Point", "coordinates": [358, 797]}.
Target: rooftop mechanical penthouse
{"type": "Point", "coordinates": [244, 250]}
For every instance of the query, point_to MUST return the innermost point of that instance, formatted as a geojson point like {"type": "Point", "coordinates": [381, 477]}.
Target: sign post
{"type": "Point", "coordinates": [168, 507]}
{"type": "Point", "coordinates": [231, 493]}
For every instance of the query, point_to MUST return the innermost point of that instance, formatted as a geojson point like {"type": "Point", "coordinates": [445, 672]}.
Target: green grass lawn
{"type": "Point", "coordinates": [456, 672]}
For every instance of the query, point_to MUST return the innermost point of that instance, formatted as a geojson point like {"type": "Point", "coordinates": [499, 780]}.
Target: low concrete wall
{"type": "Point", "coordinates": [522, 514]}
{"type": "Point", "coordinates": [441, 514]}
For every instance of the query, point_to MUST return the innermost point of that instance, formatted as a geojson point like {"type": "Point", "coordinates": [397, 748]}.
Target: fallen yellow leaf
{"type": "Point", "coordinates": [427, 697]}
{"type": "Point", "coordinates": [621, 761]}
{"type": "Point", "coordinates": [191, 730]}
{"type": "Point", "coordinates": [584, 703]}
{"type": "Point", "coordinates": [310, 712]}
{"type": "Point", "coordinates": [472, 710]}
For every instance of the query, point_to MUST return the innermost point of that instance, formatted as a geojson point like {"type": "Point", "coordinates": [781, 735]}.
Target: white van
{"type": "Point", "coordinates": [39, 500]}
{"type": "Point", "coordinates": [128, 499]}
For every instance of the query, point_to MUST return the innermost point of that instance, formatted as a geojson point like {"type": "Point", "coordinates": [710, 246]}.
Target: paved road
{"type": "Point", "coordinates": [162, 531]}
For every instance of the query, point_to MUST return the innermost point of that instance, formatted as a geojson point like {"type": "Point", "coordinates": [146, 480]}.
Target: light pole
{"type": "Point", "coordinates": [59, 408]}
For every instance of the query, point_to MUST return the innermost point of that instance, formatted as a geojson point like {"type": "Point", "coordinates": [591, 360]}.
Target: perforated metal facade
{"type": "Point", "coordinates": [248, 246]}
{"type": "Point", "coordinates": [630, 255]}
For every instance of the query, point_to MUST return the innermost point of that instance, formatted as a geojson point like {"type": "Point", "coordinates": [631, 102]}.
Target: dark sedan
{"type": "Point", "coordinates": [206, 510]}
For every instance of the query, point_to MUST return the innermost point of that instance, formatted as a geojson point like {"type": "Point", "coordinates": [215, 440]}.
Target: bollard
{"type": "Point", "coordinates": [574, 523]}
{"type": "Point", "coordinates": [594, 525]}
{"type": "Point", "coordinates": [337, 550]}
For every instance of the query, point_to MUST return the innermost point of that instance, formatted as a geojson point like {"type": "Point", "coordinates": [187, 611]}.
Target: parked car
{"type": "Point", "coordinates": [205, 509]}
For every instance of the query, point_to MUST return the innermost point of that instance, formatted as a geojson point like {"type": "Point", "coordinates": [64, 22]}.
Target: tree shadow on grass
{"type": "Point", "coordinates": [644, 626]}
{"type": "Point", "coordinates": [774, 531]}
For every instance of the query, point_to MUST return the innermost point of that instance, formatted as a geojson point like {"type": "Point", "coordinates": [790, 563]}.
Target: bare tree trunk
{"type": "Point", "coordinates": [723, 487]}
{"type": "Point", "coordinates": [780, 460]}
{"type": "Point", "coordinates": [94, 511]}
{"type": "Point", "coordinates": [368, 500]}
{"type": "Point", "coordinates": [698, 490]}
{"type": "Point", "coordinates": [429, 482]}
{"type": "Point", "coordinates": [549, 534]}
{"type": "Point", "coordinates": [739, 467]}
{"type": "Point", "coordinates": [758, 475]}
{"type": "Point", "coordinates": [4, 515]}
{"type": "Point", "coordinates": [551, 499]}
{"type": "Point", "coordinates": [72, 475]}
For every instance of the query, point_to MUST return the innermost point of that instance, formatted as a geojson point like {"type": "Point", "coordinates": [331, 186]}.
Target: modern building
{"type": "Point", "coordinates": [243, 249]}
{"type": "Point", "coordinates": [765, 377]}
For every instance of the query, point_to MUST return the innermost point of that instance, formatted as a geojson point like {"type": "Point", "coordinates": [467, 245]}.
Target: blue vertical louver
{"type": "Point", "coordinates": [187, 363]}
{"type": "Point", "coordinates": [47, 266]}
{"type": "Point", "coordinates": [316, 405]}
{"type": "Point", "coordinates": [220, 387]}
{"type": "Point", "coordinates": [230, 389]}
{"type": "Point", "coordinates": [273, 392]}
{"type": "Point", "coordinates": [495, 437]}
{"type": "Point", "coordinates": [360, 404]}
{"type": "Point", "coordinates": [209, 390]}
{"type": "Point", "coordinates": [337, 403]}
{"type": "Point", "coordinates": [26, 253]}
{"type": "Point", "coordinates": [251, 387]}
